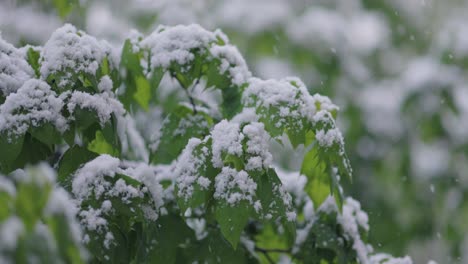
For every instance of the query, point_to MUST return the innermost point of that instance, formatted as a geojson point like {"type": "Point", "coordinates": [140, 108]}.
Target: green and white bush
{"type": "Point", "coordinates": [82, 183]}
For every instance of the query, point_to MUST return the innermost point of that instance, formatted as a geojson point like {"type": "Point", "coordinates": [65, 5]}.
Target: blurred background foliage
{"type": "Point", "coordinates": [396, 68]}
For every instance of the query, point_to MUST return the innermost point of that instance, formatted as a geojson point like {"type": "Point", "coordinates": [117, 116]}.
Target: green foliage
{"type": "Point", "coordinates": [34, 217]}
{"type": "Point", "coordinates": [205, 190]}
{"type": "Point", "coordinates": [178, 127]}
{"type": "Point", "coordinates": [326, 242]}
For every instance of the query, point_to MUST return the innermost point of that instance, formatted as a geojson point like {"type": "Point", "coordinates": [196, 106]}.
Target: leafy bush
{"type": "Point", "coordinates": [204, 189]}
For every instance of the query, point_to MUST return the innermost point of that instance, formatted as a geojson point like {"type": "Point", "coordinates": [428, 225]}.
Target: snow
{"type": "Point", "coordinates": [60, 203]}
{"type": "Point", "coordinates": [108, 240]}
{"type": "Point", "coordinates": [329, 137]}
{"type": "Point", "coordinates": [7, 186]}
{"type": "Point", "coordinates": [272, 92]}
{"type": "Point", "coordinates": [176, 44]}
{"type": "Point", "coordinates": [146, 175]}
{"type": "Point", "coordinates": [247, 115]}
{"type": "Point", "coordinates": [14, 69]}
{"type": "Point", "coordinates": [351, 220]}
{"type": "Point", "coordinates": [10, 231]}
{"type": "Point", "coordinates": [187, 167]}
{"type": "Point", "coordinates": [204, 182]}
{"type": "Point", "coordinates": [33, 104]}
{"type": "Point", "coordinates": [104, 104]}
{"type": "Point", "coordinates": [233, 62]}
{"type": "Point", "coordinates": [257, 146]}
{"type": "Point", "coordinates": [105, 84]}
{"type": "Point", "coordinates": [181, 44]}
{"type": "Point", "coordinates": [293, 182]}
{"type": "Point", "coordinates": [92, 220]}
{"type": "Point", "coordinates": [226, 139]}
{"type": "Point", "coordinates": [72, 50]}
{"type": "Point", "coordinates": [93, 181]}
{"type": "Point", "coordinates": [324, 103]}
{"type": "Point", "coordinates": [234, 186]}
{"type": "Point", "coordinates": [383, 258]}
{"type": "Point", "coordinates": [90, 179]}
{"type": "Point", "coordinates": [294, 104]}
{"type": "Point", "coordinates": [130, 138]}
{"type": "Point", "coordinates": [57, 203]}
{"type": "Point", "coordinates": [243, 137]}
{"type": "Point", "coordinates": [190, 121]}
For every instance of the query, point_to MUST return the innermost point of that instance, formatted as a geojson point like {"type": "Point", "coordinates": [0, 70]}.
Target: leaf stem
{"type": "Point", "coordinates": [275, 250]}
{"type": "Point", "coordinates": [266, 251]}
{"type": "Point", "coordinates": [192, 102]}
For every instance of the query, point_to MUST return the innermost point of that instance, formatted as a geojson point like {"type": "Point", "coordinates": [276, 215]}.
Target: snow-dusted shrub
{"type": "Point", "coordinates": [204, 189]}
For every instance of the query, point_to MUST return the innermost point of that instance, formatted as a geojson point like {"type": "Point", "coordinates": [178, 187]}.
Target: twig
{"type": "Point", "coordinates": [265, 252]}
{"type": "Point", "coordinates": [190, 97]}
{"type": "Point", "coordinates": [274, 250]}
{"type": "Point", "coordinates": [270, 260]}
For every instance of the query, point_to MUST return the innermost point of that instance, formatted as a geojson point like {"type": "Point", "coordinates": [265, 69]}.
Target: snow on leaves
{"type": "Point", "coordinates": [232, 165]}
{"type": "Point", "coordinates": [106, 193]}
{"type": "Point", "coordinates": [286, 107]}
{"type": "Point", "coordinates": [344, 246]}
{"type": "Point", "coordinates": [70, 52]}
{"type": "Point", "coordinates": [33, 218]}
{"type": "Point", "coordinates": [32, 105]}
{"type": "Point", "coordinates": [14, 69]}
{"type": "Point", "coordinates": [188, 54]}
{"type": "Point", "coordinates": [73, 97]}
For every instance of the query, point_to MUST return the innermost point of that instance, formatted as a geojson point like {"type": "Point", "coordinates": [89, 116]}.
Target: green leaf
{"type": "Point", "coordinates": [68, 250]}
{"type": "Point", "coordinates": [64, 7]}
{"type": "Point", "coordinates": [85, 118]}
{"type": "Point", "coordinates": [104, 66]}
{"type": "Point", "coordinates": [231, 94]}
{"type": "Point", "coordinates": [168, 233]}
{"type": "Point", "coordinates": [7, 202]}
{"type": "Point", "coordinates": [214, 249]}
{"type": "Point", "coordinates": [31, 199]}
{"type": "Point", "coordinates": [33, 151]}
{"type": "Point", "coordinates": [143, 92]}
{"type": "Point", "coordinates": [177, 129]}
{"type": "Point", "coordinates": [156, 76]}
{"type": "Point", "coordinates": [46, 133]}
{"type": "Point", "coordinates": [200, 195]}
{"type": "Point", "coordinates": [33, 60]}
{"type": "Point", "coordinates": [70, 161]}
{"type": "Point", "coordinates": [296, 136]}
{"type": "Point", "coordinates": [233, 161]}
{"type": "Point", "coordinates": [214, 78]}
{"type": "Point", "coordinates": [129, 59]}
{"type": "Point", "coordinates": [318, 181]}
{"type": "Point", "coordinates": [268, 237]}
{"type": "Point", "coordinates": [11, 147]}
{"type": "Point", "coordinates": [232, 219]}
{"type": "Point", "coordinates": [69, 136]}
{"type": "Point", "coordinates": [109, 131]}
{"type": "Point", "coordinates": [231, 104]}
{"type": "Point", "coordinates": [101, 146]}
{"type": "Point", "coordinates": [268, 192]}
